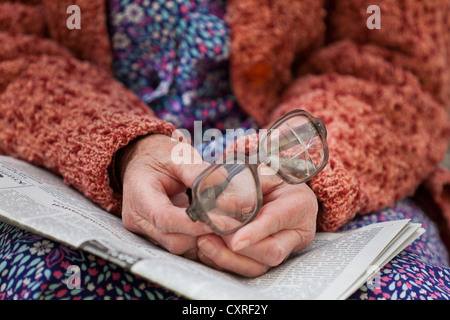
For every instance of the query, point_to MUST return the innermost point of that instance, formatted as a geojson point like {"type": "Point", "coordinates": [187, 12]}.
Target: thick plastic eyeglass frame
{"type": "Point", "coordinates": [196, 211]}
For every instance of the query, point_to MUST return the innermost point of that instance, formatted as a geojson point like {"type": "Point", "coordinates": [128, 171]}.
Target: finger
{"type": "Point", "coordinates": [151, 207]}
{"type": "Point", "coordinates": [239, 196]}
{"type": "Point", "coordinates": [292, 208]}
{"type": "Point", "coordinates": [204, 258]}
{"type": "Point", "coordinates": [192, 254]}
{"type": "Point", "coordinates": [269, 180]}
{"type": "Point", "coordinates": [276, 248]}
{"type": "Point", "coordinates": [214, 251]}
{"type": "Point", "coordinates": [168, 218]}
{"type": "Point", "coordinates": [179, 244]}
{"type": "Point", "coordinates": [180, 200]}
{"type": "Point", "coordinates": [187, 172]}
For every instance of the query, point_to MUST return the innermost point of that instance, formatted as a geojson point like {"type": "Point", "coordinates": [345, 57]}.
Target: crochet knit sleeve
{"type": "Point", "coordinates": [382, 93]}
{"type": "Point", "coordinates": [67, 115]}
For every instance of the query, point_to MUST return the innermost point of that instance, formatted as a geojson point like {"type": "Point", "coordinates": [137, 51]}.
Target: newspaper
{"type": "Point", "coordinates": [332, 267]}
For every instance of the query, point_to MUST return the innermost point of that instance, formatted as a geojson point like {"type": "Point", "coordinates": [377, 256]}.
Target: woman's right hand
{"type": "Point", "coordinates": [154, 193]}
{"type": "Point", "coordinates": [155, 202]}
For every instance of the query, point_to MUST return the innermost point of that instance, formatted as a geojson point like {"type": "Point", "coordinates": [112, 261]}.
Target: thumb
{"type": "Point", "coordinates": [186, 164]}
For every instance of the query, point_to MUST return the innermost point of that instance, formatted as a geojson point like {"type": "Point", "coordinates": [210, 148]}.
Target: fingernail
{"type": "Point", "coordinates": [203, 257]}
{"type": "Point", "coordinates": [207, 247]}
{"type": "Point", "coordinates": [191, 254]}
{"type": "Point", "coordinates": [241, 245]}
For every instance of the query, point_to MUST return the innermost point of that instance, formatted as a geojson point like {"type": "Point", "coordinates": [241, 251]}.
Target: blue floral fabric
{"type": "Point", "coordinates": [33, 267]}
{"type": "Point", "coordinates": [420, 272]}
{"type": "Point", "coordinates": [174, 55]}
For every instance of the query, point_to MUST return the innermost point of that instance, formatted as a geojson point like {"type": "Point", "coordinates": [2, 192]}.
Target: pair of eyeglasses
{"type": "Point", "coordinates": [228, 196]}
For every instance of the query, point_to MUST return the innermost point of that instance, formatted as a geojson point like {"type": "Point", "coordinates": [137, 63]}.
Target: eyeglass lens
{"type": "Point", "coordinates": [228, 195]}
{"type": "Point", "coordinates": [295, 147]}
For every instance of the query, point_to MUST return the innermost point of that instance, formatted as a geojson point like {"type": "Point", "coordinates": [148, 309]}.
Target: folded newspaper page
{"type": "Point", "coordinates": [332, 267]}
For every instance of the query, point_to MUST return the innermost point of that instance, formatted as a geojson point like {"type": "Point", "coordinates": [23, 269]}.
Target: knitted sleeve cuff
{"type": "Point", "coordinates": [72, 117]}
{"type": "Point", "coordinates": [92, 168]}
{"type": "Point", "coordinates": [338, 194]}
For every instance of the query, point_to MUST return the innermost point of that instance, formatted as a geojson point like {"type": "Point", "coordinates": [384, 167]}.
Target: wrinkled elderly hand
{"type": "Point", "coordinates": [155, 202]}
{"type": "Point", "coordinates": [286, 223]}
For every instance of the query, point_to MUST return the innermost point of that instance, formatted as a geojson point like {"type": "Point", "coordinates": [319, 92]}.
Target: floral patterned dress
{"type": "Point", "coordinates": [174, 54]}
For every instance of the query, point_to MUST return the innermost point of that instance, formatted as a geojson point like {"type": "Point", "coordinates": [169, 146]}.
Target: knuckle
{"type": "Point", "coordinates": [173, 247]}
{"type": "Point", "coordinates": [178, 246]}
{"type": "Point", "coordinates": [311, 203]}
{"type": "Point", "coordinates": [126, 221]}
{"type": "Point", "coordinates": [308, 238]}
{"type": "Point", "coordinates": [256, 271]}
{"type": "Point", "coordinates": [129, 221]}
{"type": "Point", "coordinates": [276, 254]}
{"type": "Point", "coordinates": [304, 239]}
{"type": "Point", "coordinates": [164, 220]}
{"type": "Point", "coordinates": [160, 220]}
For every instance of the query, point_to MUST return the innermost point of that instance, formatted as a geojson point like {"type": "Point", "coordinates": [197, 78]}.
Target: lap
{"type": "Point", "coordinates": [33, 267]}
{"type": "Point", "coordinates": [420, 271]}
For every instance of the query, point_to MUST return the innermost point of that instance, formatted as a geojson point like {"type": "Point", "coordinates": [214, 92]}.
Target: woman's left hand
{"type": "Point", "coordinates": [285, 224]}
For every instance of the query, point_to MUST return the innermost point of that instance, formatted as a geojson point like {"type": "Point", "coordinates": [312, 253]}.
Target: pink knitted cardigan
{"type": "Point", "coordinates": [383, 94]}
{"type": "Point", "coordinates": [60, 108]}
